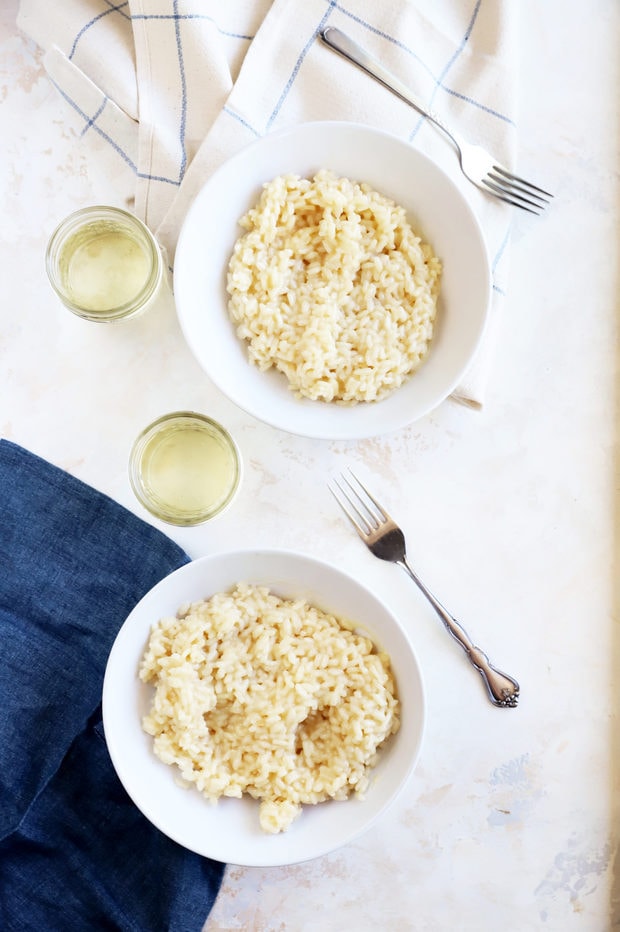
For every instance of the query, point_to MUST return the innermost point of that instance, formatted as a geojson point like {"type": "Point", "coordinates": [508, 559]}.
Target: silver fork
{"type": "Point", "coordinates": [385, 539]}
{"type": "Point", "coordinates": [476, 163]}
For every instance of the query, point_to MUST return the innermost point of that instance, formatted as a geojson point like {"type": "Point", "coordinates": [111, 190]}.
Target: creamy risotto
{"type": "Point", "coordinates": [331, 286]}
{"type": "Point", "coordinates": [267, 696]}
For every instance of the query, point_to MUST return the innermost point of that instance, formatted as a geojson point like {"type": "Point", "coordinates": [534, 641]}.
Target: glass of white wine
{"type": "Point", "coordinates": [185, 468]}
{"type": "Point", "coordinates": [104, 264]}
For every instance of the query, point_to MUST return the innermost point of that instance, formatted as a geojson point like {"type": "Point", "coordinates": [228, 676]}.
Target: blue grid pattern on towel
{"type": "Point", "coordinates": [90, 123]}
{"type": "Point", "coordinates": [176, 18]}
{"type": "Point", "coordinates": [439, 80]}
{"type": "Point", "coordinates": [496, 260]}
{"type": "Point", "coordinates": [112, 8]}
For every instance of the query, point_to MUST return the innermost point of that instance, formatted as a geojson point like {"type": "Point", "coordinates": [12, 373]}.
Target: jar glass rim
{"type": "Point", "coordinates": [170, 515]}
{"type": "Point", "coordinates": [82, 218]}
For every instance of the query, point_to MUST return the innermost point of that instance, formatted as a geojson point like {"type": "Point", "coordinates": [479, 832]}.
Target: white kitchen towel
{"type": "Point", "coordinates": [177, 86]}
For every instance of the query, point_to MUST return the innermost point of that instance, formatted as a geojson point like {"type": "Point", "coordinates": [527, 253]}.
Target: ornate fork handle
{"type": "Point", "coordinates": [503, 689]}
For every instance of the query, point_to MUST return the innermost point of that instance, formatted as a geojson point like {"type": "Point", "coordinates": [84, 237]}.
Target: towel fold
{"type": "Point", "coordinates": [178, 86]}
{"type": "Point", "coordinates": [75, 853]}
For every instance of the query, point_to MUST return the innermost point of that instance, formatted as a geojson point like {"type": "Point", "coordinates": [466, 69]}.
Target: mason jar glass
{"type": "Point", "coordinates": [104, 264]}
{"type": "Point", "coordinates": [185, 468]}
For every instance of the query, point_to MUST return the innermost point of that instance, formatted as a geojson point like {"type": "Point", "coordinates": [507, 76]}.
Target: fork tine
{"type": "Point", "coordinates": [517, 180]}
{"type": "Point", "coordinates": [505, 195]}
{"type": "Point", "coordinates": [382, 512]}
{"type": "Point", "coordinates": [352, 517]}
{"type": "Point", "coordinates": [518, 190]}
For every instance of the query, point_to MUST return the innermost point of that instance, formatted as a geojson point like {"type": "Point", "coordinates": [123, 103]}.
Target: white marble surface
{"type": "Point", "coordinates": [511, 818]}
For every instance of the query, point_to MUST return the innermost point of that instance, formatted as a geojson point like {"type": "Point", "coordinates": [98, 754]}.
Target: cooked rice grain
{"type": "Point", "coordinates": [267, 696]}
{"type": "Point", "coordinates": [330, 285]}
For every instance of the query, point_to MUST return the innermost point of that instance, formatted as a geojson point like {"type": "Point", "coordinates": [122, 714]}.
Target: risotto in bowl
{"type": "Point", "coordinates": [332, 281]}
{"type": "Point", "coordinates": [262, 707]}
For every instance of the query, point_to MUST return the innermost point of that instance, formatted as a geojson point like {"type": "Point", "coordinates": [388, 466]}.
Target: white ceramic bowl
{"type": "Point", "coordinates": [230, 831]}
{"type": "Point", "coordinates": [436, 209]}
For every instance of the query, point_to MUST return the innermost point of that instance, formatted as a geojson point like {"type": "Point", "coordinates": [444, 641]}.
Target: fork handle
{"type": "Point", "coordinates": [503, 690]}
{"type": "Point", "coordinates": [354, 53]}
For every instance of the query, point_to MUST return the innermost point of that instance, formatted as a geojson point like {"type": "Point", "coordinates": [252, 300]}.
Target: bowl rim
{"type": "Point", "coordinates": [336, 427]}
{"type": "Point", "coordinates": [275, 555]}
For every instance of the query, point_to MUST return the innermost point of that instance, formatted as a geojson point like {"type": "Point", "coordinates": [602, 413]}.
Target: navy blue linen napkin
{"type": "Point", "coordinates": [75, 853]}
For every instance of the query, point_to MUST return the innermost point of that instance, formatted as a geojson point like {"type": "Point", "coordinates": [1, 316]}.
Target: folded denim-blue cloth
{"type": "Point", "coordinates": [75, 853]}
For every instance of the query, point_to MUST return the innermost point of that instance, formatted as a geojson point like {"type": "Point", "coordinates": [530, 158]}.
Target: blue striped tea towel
{"type": "Point", "coordinates": [75, 853]}
{"type": "Point", "coordinates": [174, 87]}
